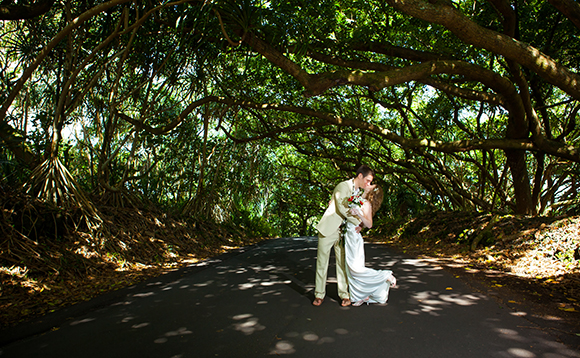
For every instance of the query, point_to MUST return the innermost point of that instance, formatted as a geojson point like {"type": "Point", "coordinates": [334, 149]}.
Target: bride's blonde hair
{"type": "Point", "coordinates": [375, 198]}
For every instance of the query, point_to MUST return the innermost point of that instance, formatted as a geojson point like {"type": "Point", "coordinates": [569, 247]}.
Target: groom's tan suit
{"type": "Point", "coordinates": [329, 235]}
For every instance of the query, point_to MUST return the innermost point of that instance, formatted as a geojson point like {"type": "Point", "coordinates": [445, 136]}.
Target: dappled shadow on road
{"type": "Point", "coordinates": [532, 255]}
{"type": "Point", "coordinates": [425, 290]}
{"type": "Point", "coordinates": [258, 303]}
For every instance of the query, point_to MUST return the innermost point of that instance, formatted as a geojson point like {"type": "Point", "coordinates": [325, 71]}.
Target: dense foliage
{"type": "Point", "coordinates": [248, 112]}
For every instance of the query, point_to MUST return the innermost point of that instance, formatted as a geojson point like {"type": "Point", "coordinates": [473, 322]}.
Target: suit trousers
{"type": "Point", "coordinates": [325, 244]}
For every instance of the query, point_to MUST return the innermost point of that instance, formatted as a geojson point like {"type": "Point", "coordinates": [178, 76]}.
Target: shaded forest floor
{"type": "Point", "coordinates": [46, 262]}
{"type": "Point", "coordinates": [528, 263]}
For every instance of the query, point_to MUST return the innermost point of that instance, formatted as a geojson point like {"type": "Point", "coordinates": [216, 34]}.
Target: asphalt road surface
{"type": "Point", "coordinates": [256, 302]}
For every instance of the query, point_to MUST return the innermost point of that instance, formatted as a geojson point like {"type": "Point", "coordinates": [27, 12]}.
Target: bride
{"type": "Point", "coordinates": [366, 285]}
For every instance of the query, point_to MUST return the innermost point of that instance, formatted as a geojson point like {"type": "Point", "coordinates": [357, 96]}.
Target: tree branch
{"type": "Point", "coordinates": [550, 147]}
{"type": "Point", "coordinates": [49, 47]}
{"type": "Point", "coordinates": [171, 125]}
{"type": "Point", "coordinates": [472, 33]}
{"type": "Point", "coordinates": [570, 9]}
{"type": "Point", "coordinates": [22, 12]}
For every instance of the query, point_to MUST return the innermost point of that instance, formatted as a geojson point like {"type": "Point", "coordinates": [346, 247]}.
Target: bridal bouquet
{"type": "Point", "coordinates": [356, 200]}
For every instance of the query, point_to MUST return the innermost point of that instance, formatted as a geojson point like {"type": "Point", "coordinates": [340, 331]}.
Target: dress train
{"type": "Point", "coordinates": [365, 284]}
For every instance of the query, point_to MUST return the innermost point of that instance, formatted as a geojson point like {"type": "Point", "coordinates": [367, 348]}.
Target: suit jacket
{"type": "Point", "coordinates": [338, 209]}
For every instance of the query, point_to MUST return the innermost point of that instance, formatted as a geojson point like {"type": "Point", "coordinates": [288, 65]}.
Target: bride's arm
{"type": "Point", "coordinates": [366, 214]}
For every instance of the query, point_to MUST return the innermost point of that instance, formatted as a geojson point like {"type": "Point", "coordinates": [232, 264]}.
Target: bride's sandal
{"type": "Point", "coordinates": [392, 281]}
{"type": "Point", "coordinates": [358, 303]}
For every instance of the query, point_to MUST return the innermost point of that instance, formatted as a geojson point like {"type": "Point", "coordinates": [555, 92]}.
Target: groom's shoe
{"type": "Point", "coordinates": [345, 302]}
{"type": "Point", "coordinates": [317, 301]}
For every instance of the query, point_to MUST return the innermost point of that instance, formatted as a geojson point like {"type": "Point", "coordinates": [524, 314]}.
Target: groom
{"type": "Point", "coordinates": [329, 234]}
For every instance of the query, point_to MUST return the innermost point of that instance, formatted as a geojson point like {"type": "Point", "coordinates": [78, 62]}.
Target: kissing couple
{"type": "Point", "coordinates": [351, 208]}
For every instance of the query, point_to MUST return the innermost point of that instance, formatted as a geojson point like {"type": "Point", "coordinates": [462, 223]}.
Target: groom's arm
{"type": "Point", "coordinates": [341, 194]}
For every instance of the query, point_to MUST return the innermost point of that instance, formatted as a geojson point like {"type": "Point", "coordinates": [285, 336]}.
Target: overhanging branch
{"type": "Point", "coordinates": [550, 147]}
{"type": "Point", "coordinates": [22, 12]}
{"type": "Point", "coordinates": [472, 33]}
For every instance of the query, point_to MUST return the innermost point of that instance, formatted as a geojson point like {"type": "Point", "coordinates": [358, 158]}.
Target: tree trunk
{"type": "Point", "coordinates": [538, 180]}
{"type": "Point", "coordinates": [516, 160]}
{"type": "Point", "coordinates": [11, 139]}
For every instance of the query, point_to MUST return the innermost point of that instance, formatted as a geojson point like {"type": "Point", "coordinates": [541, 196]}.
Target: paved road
{"type": "Point", "coordinates": [256, 302]}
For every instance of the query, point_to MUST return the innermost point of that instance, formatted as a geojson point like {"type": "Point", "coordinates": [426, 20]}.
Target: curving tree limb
{"type": "Point", "coordinates": [22, 12]}
{"type": "Point", "coordinates": [507, 46]}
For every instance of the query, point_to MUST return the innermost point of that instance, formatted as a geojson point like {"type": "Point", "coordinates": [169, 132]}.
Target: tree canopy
{"type": "Point", "coordinates": [251, 111]}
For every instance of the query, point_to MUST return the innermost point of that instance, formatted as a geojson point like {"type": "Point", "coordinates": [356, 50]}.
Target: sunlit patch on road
{"type": "Point", "coordinates": [431, 302]}
{"type": "Point", "coordinates": [283, 347]}
{"type": "Point", "coordinates": [178, 332]}
{"type": "Point", "coordinates": [247, 324]}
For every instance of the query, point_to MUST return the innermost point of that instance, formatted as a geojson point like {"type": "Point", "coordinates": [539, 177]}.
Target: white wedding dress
{"type": "Point", "coordinates": [365, 285]}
